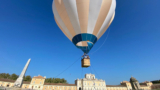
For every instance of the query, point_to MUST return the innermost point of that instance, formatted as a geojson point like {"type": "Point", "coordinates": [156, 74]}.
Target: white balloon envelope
{"type": "Point", "coordinates": [84, 21]}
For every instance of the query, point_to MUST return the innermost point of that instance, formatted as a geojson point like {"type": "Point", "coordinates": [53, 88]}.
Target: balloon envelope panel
{"type": "Point", "coordinates": [84, 21]}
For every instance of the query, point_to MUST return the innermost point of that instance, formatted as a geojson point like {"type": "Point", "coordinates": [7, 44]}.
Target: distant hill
{"type": "Point", "coordinates": [155, 81]}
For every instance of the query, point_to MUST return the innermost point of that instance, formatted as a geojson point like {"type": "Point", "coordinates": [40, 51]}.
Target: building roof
{"type": "Point", "coordinates": [143, 85]}
{"type": "Point", "coordinates": [115, 86]}
{"type": "Point", "coordinates": [156, 85]}
{"type": "Point", "coordinates": [7, 80]}
{"type": "Point", "coordinates": [12, 81]}
{"type": "Point", "coordinates": [24, 82]}
{"type": "Point", "coordinates": [146, 82]}
{"type": "Point", "coordinates": [40, 77]}
{"type": "Point", "coordinates": [63, 84]}
{"type": "Point", "coordinates": [125, 82]}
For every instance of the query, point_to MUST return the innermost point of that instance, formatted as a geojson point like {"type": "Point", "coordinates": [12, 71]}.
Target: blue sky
{"type": "Point", "coordinates": [28, 30]}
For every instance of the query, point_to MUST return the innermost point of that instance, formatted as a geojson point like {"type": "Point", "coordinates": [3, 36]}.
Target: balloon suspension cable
{"type": "Point", "coordinates": [97, 50]}
{"type": "Point", "coordinates": [102, 43]}
{"type": "Point", "coordinates": [95, 71]}
{"type": "Point", "coordinates": [67, 67]}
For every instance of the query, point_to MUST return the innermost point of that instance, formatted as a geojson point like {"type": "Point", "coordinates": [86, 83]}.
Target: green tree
{"type": "Point", "coordinates": [24, 78]}
{"type": "Point", "coordinates": [4, 75]}
{"type": "Point", "coordinates": [57, 80]}
{"type": "Point", "coordinates": [27, 78]}
{"type": "Point", "coordinates": [14, 76]}
{"type": "Point", "coordinates": [53, 80]}
{"type": "Point", "coordinates": [8, 76]}
{"type": "Point", "coordinates": [48, 80]}
{"type": "Point", "coordinates": [63, 80]}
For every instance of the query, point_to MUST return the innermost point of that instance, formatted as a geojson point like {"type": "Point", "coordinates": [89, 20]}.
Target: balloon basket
{"type": "Point", "coordinates": [85, 63]}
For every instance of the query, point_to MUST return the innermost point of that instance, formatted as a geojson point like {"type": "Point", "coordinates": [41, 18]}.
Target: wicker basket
{"type": "Point", "coordinates": [85, 62]}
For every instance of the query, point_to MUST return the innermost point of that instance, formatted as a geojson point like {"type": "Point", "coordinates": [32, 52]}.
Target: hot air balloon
{"type": "Point", "coordinates": [84, 21]}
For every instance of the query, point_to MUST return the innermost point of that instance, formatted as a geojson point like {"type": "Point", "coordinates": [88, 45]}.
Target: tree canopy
{"type": "Point", "coordinates": [29, 78]}
{"type": "Point", "coordinates": [156, 81]}
{"type": "Point", "coordinates": [55, 80]}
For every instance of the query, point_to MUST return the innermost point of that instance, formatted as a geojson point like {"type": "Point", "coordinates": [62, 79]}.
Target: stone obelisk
{"type": "Point", "coordinates": [19, 81]}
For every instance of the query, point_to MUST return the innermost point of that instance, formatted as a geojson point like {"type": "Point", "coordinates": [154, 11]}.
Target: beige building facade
{"type": "Point", "coordinates": [37, 82]}
{"type": "Point", "coordinates": [89, 82]}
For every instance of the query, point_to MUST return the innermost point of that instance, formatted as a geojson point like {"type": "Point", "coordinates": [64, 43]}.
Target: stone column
{"type": "Point", "coordinates": [19, 81]}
